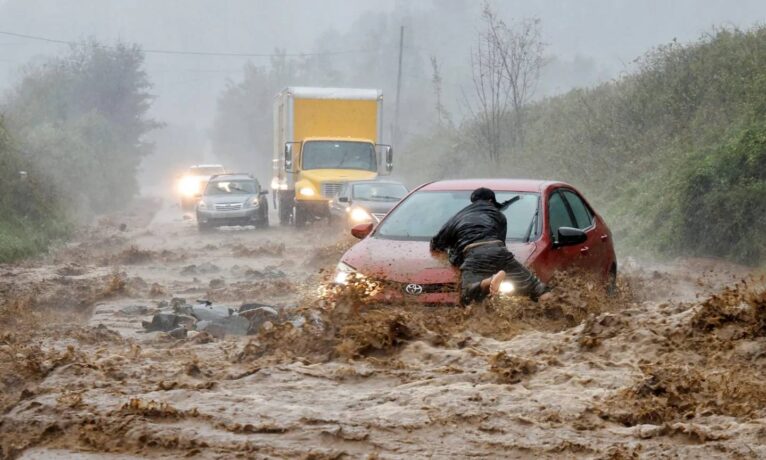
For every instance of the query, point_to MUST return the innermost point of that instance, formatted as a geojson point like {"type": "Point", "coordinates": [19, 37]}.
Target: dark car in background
{"type": "Point", "coordinates": [232, 199]}
{"type": "Point", "coordinates": [368, 201]}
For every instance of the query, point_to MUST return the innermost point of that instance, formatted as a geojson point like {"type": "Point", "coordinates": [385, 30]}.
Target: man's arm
{"type": "Point", "coordinates": [444, 239]}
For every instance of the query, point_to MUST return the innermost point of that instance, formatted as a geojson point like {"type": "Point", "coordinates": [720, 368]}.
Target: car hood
{"type": "Point", "coordinates": [238, 198]}
{"type": "Point", "coordinates": [411, 261]}
{"type": "Point", "coordinates": [376, 207]}
{"type": "Point", "coordinates": [337, 175]}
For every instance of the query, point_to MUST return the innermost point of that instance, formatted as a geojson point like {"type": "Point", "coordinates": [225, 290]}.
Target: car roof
{"type": "Point", "coordinates": [514, 185]}
{"type": "Point", "coordinates": [374, 181]}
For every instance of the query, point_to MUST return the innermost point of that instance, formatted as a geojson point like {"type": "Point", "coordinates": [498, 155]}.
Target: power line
{"type": "Point", "coordinates": [195, 53]}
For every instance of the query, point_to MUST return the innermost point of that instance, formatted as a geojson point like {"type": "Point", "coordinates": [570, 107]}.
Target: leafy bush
{"type": "Point", "coordinates": [673, 155]}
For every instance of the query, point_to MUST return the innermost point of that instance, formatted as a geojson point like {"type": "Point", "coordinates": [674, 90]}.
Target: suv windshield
{"type": "Point", "coordinates": [422, 214]}
{"type": "Point", "coordinates": [338, 155]}
{"type": "Point", "coordinates": [379, 192]}
{"type": "Point", "coordinates": [231, 187]}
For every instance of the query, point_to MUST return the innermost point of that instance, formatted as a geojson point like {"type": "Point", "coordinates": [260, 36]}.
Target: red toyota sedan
{"type": "Point", "coordinates": [550, 228]}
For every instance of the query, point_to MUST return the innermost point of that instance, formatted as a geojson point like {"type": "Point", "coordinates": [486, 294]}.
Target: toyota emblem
{"type": "Point", "coordinates": [413, 289]}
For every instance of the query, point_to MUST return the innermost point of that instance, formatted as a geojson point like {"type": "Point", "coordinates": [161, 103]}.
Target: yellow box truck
{"type": "Point", "coordinates": [324, 137]}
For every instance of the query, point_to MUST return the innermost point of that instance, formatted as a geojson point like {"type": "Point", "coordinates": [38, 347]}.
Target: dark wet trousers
{"type": "Point", "coordinates": [484, 261]}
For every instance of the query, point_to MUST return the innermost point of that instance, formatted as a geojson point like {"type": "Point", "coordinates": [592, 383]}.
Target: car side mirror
{"type": "Point", "coordinates": [343, 199]}
{"type": "Point", "coordinates": [361, 231]}
{"type": "Point", "coordinates": [568, 236]}
{"type": "Point", "coordinates": [263, 192]}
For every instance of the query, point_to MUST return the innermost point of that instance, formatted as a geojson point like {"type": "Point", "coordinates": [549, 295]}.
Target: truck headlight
{"type": "Point", "coordinates": [307, 191]}
{"type": "Point", "coordinates": [360, 215]}
{"type": "Point", "coordinates": [506, 288]}
{"type": "Point", "coordinates": [342, 273]}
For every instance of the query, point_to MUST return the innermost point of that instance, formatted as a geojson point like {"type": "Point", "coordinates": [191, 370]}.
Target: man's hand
{"type": "Point", "coordinates": [438, 254]}
{"type": "Point", "coordinates": [545, 297]}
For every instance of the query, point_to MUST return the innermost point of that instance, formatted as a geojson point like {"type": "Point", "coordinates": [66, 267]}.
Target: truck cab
{"type": "Point", "coordinates": [324, 137]}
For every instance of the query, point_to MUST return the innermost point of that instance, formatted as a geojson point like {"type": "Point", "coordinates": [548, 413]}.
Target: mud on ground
{"type": "Point", "coordinates": [671, 367]}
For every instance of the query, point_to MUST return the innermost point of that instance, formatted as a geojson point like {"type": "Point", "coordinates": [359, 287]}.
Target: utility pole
{"type": "Point", "coordinates": [395, 134]}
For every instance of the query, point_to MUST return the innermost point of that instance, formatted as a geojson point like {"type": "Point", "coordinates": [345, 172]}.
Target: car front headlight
{"type": "Point", "coordinates": [202, 205]}
{"type": "Point", "coordinates": [506, 288]}
{"type": "Point", "coordinates": [343, 272]}
{"type": "Point", "coordinates": [359, 215]}
{"type": "Point", "coordinates": [188, 186]}
{"type": "Point", "coordinates": [255, 202]}
{"type": "Point", "coordinates": [307, 191]}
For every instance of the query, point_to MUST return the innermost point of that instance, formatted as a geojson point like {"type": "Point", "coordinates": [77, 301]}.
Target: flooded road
{"type": "Point", "coordinates": [672, 366]}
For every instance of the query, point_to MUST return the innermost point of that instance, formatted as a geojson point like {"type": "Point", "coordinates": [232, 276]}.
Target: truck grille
{"type": "Point", "coordinates": [228, 206]}
{"type": "Point", "coordinates": [330, 189]}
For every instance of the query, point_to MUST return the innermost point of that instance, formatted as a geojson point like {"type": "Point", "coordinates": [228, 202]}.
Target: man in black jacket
{"type": "Point", "coordinates": [474, 239]}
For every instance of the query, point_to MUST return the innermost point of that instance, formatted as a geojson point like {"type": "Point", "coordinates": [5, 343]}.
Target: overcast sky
{"type": "Point", "coordinates": [610, 32]}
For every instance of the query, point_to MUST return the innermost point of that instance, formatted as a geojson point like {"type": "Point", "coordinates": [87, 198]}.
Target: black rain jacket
{"type": "Point", "coordinates": [479, 221]}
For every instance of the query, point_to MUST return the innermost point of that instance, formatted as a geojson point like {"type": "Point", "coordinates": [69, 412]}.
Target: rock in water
{"type": "Point", "coordinates": [258, 315]}
{"type": "Point", "coordinates": [220, 327]}
{"type": "Point", "coordinates": [166, 322]}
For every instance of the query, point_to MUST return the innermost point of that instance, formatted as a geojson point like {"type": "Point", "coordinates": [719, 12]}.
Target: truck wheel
{"type": "Point", "coordinates": [285, 210]}
{"type": "Point", "coordinates": [299, 214]}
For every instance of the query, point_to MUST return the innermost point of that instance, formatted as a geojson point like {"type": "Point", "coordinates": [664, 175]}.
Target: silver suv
{"type": "Point", "coordinates": [232, 199]}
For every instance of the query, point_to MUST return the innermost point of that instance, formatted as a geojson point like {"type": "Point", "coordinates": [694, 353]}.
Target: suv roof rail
{"type": "Point", "coordinates": [232, 174]}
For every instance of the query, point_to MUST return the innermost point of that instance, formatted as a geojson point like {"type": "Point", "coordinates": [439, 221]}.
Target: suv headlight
{"type": "Point", "coordinates": [202, 205]}
{"type": "Point", "coordinates": [342, 273]}
{"type": "Point", "coordinates": [255, 202]}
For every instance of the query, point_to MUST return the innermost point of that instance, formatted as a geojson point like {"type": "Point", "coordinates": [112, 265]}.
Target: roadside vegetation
{"type": "Point", "coordinates": [75, 125]}
{"type": "Point", "coordinates": [674, 154]}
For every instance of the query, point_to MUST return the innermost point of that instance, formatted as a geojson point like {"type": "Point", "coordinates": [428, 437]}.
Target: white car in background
{"type": "Point", "coordinates": [192, 183]}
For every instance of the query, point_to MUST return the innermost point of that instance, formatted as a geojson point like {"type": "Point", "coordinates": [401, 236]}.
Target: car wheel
{"type": "Point", "coordinates": [264, 220]}
{"type": "Point", "coordinates": [611, 287]}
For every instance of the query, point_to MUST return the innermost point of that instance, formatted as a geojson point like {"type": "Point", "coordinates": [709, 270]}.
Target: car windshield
{"type": "Point", "coordinates": [422, 214]}
{"type": "Point", "coordinates": [338, 155]}
{"type": "Point", "coordinates": [233, 187]}
{"type": "Point", "coordinates": [379, 192]}
{"type": "Point", "coordinates": [206, 170]}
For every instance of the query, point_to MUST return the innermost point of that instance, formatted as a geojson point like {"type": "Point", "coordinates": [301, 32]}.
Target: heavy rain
{"type": "Point", "coordinates": [382, 229]}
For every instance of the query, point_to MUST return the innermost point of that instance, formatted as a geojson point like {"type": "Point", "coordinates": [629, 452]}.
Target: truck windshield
{"type": "Point", "coordinates": [338, 155]}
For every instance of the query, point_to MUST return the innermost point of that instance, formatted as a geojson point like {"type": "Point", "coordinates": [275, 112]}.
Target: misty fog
{"type": "Point", "coordinates": [587, 42]}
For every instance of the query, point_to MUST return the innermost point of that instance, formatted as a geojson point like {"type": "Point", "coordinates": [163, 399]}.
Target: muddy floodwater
{"type": "Point", "coordinates": [672, 367]}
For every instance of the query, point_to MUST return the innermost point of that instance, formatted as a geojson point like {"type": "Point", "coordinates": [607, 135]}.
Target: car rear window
{"type": "Point", "coordinates": [231, 187]}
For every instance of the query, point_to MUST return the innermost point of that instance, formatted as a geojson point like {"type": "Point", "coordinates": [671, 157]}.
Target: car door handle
{"type": "Point", "coordinates": [585, 251]}
{"type": "Point", "coordinates": [604, 237]}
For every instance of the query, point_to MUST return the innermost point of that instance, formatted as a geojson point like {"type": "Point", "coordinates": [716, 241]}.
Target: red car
{"type": "Point", "coordinates": [550, 228]}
